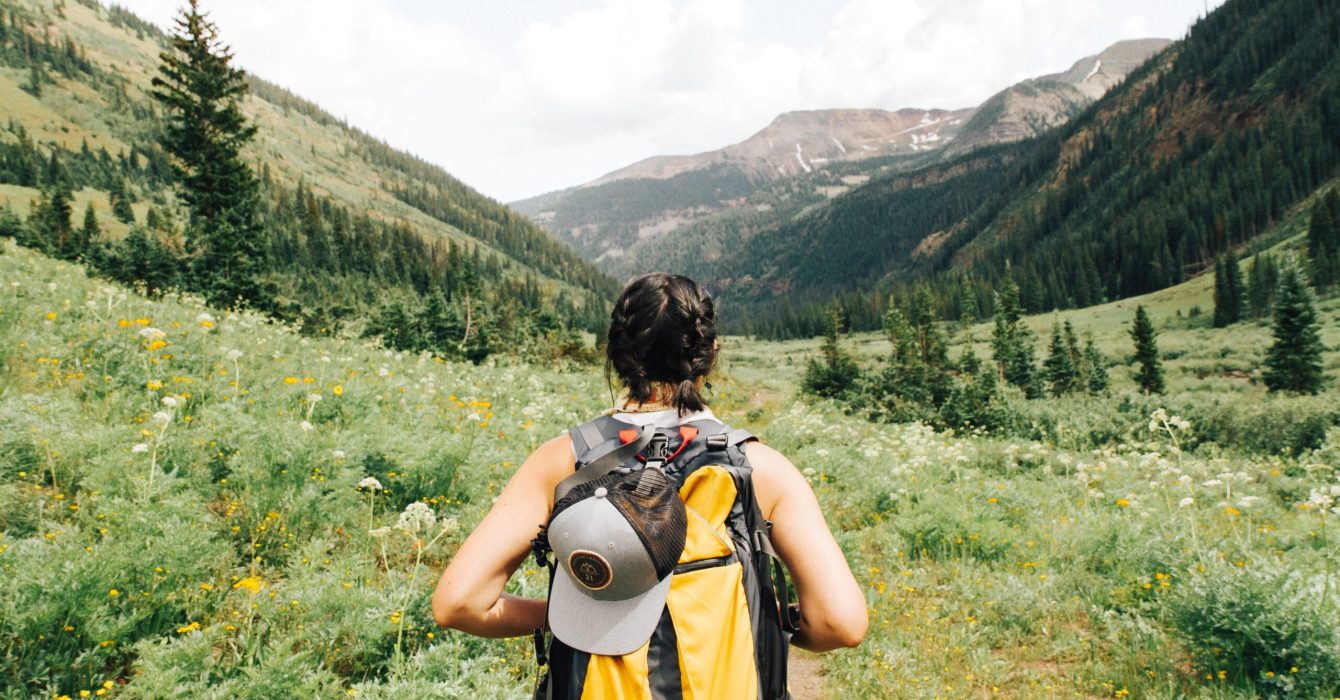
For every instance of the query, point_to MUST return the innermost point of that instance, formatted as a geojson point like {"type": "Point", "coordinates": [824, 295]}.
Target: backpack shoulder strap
{"type": "Point", "coordinates": [593, 433]}
{"type": "Point", "coordinates": [597, 460]}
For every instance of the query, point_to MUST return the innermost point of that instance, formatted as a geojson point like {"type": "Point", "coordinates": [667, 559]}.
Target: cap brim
{"type": "Point", "coordinates": [606, 627]}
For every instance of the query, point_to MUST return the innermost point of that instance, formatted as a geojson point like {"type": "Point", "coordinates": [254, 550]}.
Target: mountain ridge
{"type": "Point", "coordinates": [830, 151]}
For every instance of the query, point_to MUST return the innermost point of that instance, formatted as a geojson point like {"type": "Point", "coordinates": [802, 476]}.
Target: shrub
{"type": "Point", "coordinates": [1264, 627]}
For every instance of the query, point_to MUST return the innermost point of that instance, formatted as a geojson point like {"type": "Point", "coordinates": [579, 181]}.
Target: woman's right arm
{"type": "Point", "coordinates": [469, 596]}
{"type": "Point", "coordinates": [832, 606]}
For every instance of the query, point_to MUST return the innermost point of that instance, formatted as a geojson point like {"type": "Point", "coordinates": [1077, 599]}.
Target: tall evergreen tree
{"type": "Point", "coordinates": [1059, 367]}
{"type": "Point", "coordinates": [1323, 240]}
{"type": "Point", "coordinates": [837, 372]}
{"type": "Point", "coordinates": [1150, 373]}
{"type": "Point", "coordinates": [1293, 361]}
{"type": "Point", "coordinates": [1094, 368]}
{"type": "Point", "coordinates": [1227, 291]}
{"type": "Point", "coordinates": [1012, 342]}
{"type": "Point", "coordinates": [120, 200]}
{"type": "Point", "coordinates": [1261, 285]}
{"type": "Point", "coordinates": [205, 131]}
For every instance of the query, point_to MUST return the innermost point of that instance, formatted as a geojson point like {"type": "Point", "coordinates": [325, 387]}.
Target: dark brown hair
{"type": "Point", "coordinates": [663, 329]}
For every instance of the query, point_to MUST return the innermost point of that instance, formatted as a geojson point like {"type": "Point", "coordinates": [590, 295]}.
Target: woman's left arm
{"type": "Point", "coordinates": [469, 596]}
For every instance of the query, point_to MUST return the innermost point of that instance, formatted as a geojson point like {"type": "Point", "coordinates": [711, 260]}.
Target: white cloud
{"type": "Point", "coordinates": [516, 107]}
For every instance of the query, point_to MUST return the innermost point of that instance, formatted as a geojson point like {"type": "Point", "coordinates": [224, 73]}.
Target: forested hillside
{"type": "Point", "coordinates": [352, 224]}
{"type": "Point", "coordinates": [1199, 152]}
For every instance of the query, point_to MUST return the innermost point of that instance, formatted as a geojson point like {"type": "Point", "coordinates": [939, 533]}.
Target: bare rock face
{"type": "Point", "coordinates": [796, 143]}
{"type": "Point", "coordinates": [1028, 108]}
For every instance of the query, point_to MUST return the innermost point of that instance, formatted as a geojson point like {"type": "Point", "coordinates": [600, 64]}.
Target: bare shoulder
{"type": "Point", "coordinates": [547, 465]}
{"type": "Point", "coordinates": [774, 476]}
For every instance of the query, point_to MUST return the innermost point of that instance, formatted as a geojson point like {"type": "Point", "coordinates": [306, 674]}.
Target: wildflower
{"type": "Point", "coordinates": [188, 628]}
{"type": "Point", "coordinates": [151, 333]}
{"type": "Point", "coordinates": [234, 355]}
{"type": "Point", "coordinates": [1124, 502]}
{"type": "Point", "coordinates": [380, 532]}
{"type": "Point", "coordinates": [250, 584]}
{"type": "Point", "coordinates": [51, 315]}
{"type": "Point", "coordinates": [450, 526]}
{"type": "Point", "coordinates": [113, 593]}
{"type": "Point", "coordinates": [370, 483]}
{"type": "Point", "coordinates": [140, 447]}
{"type": "Point", "coordinates": [1186, 502]}
{"type": "Point", "coordinates": [306, 426]}
{"type": "Point", "coordinates": [337, 390]}
{"type": "Point", "coordinates": [313, 398]}
{"type": "Point", "coordinates": [337, 454]}
{"type": "Point", "coordinates": [170, 401]}
{"type": "Point", "coordinates": [416, 516]}
{"type": "Point", "coordinates": [290, 380]}
{"type": "Point", "coordinates": [161, 417]}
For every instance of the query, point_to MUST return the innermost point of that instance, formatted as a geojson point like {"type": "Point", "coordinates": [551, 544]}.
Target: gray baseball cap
{"type": "Point", "coordinates": [616, 547]}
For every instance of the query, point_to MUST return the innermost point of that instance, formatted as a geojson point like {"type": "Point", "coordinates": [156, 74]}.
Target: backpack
{"type": "Point", "coordinates": [728, 621]}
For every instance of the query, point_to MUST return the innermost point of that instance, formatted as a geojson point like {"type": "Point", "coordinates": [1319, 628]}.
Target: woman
{"type": "Point", "coordinates": [662, 345]}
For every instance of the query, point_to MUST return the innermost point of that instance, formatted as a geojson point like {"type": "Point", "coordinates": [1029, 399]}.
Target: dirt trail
{"type": "Point", "coordinates": [804, 675]}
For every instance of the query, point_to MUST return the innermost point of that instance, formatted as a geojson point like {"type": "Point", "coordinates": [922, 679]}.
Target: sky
{"type": "Point", "coordinates": [522, 97]}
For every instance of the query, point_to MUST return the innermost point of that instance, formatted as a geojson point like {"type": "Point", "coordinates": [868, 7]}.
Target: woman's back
{"type": "Point", "coordinates": [715, 632]}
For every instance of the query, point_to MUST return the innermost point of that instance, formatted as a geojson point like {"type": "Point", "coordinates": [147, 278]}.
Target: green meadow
{"type": "Point", "coordinates": [204, 503]}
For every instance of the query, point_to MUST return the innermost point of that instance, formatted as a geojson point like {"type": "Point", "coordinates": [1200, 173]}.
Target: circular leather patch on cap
{"type": "Point", "coordinates": [590, 569]}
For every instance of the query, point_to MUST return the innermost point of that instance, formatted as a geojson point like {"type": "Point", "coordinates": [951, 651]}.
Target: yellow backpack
{"type": "Point", "coordinates": [727, 622]}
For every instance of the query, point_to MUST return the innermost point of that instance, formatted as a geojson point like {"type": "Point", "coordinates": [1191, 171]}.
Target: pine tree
{"type": "Point", "coordinates": [1095, 365]}
{"type": "Point", "coordinates": [89, 233]}
{"type": "Point", "coordinates": [1059, 367]}
{"type": "Point", "coordinates": [1227, 291]}
{"type": "Point", "coordinates": [1293, 361]}
{"type": "Point", "coordinates": [1323, 240]}
{"type": "Point", "coordinates": [1150, 374]}
{"type": "Point", "coordinates": [1011, 342]}
{"type": "Point", "coordinates": [837, 373]}
{"type": "Point", "coordinates": [205, 131]}
{"type": "Point", "coordinates": [120, 200]}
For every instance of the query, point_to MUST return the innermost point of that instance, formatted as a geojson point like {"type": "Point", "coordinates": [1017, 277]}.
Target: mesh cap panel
{"type": "Point", "coordinates": [650, 504]}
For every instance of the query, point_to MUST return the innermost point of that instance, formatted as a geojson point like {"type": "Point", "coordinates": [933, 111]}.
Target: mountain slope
{"type": "Point", "coordinates": [74, 78]}
{"type": "Point", "coordinates": [1201, 150]}
{"type": "Point", "coordinates": [824, 152]}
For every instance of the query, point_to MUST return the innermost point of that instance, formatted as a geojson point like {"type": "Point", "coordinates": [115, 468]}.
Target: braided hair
{"type": "Point", "coordinates": [663, 330]}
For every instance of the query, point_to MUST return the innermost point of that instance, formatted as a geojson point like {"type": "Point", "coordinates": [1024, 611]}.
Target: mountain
{"type": "Point", "coordinates": [1028, 108]}
{"type": "Point", "coordinates": [1202, 150]}
{"type": "Point", "coordinates": [352, 221]}
{"type": "Point", "coordinates": [826, 152]}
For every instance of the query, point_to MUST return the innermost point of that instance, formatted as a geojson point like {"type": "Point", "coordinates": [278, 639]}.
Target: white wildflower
{"type": "Point", "coordinates": [380, 532]}
{"type": "Point", "coordinates": [416, 517]}
{"type": "Point", "coordinates": [1188, 501]}
{"type": "Point", "coordinates": [473, 417]}
{"type": "Point", "coordinates": [370, 483]}
{"type": "Point", "coordinates": [313, 398]}
{"type": "Point", "coordinates": [151, 333]}
{"type": "Point", "coordinates": [306, 426]}
{"type": "Point", "coordinates": [140, 447]}
{"type": "Point", "coordinates": [450, 526]}
{"type": "Point", "coordinates": [161, 417]}
{"type": "Point", "coordinates": [204, 317]}
{"type": "Point", "coordinates": [170, 401]}
{"type": "Point", "coordinates": [1248, 501]}
{"type": "Point", "coordinates": [234, 355]}
{"type": "Point", "coordinates": [337, 454]}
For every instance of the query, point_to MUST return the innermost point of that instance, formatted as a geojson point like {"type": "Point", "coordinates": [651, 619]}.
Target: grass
{"type": "Point", "coordinates": [225, 549]}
